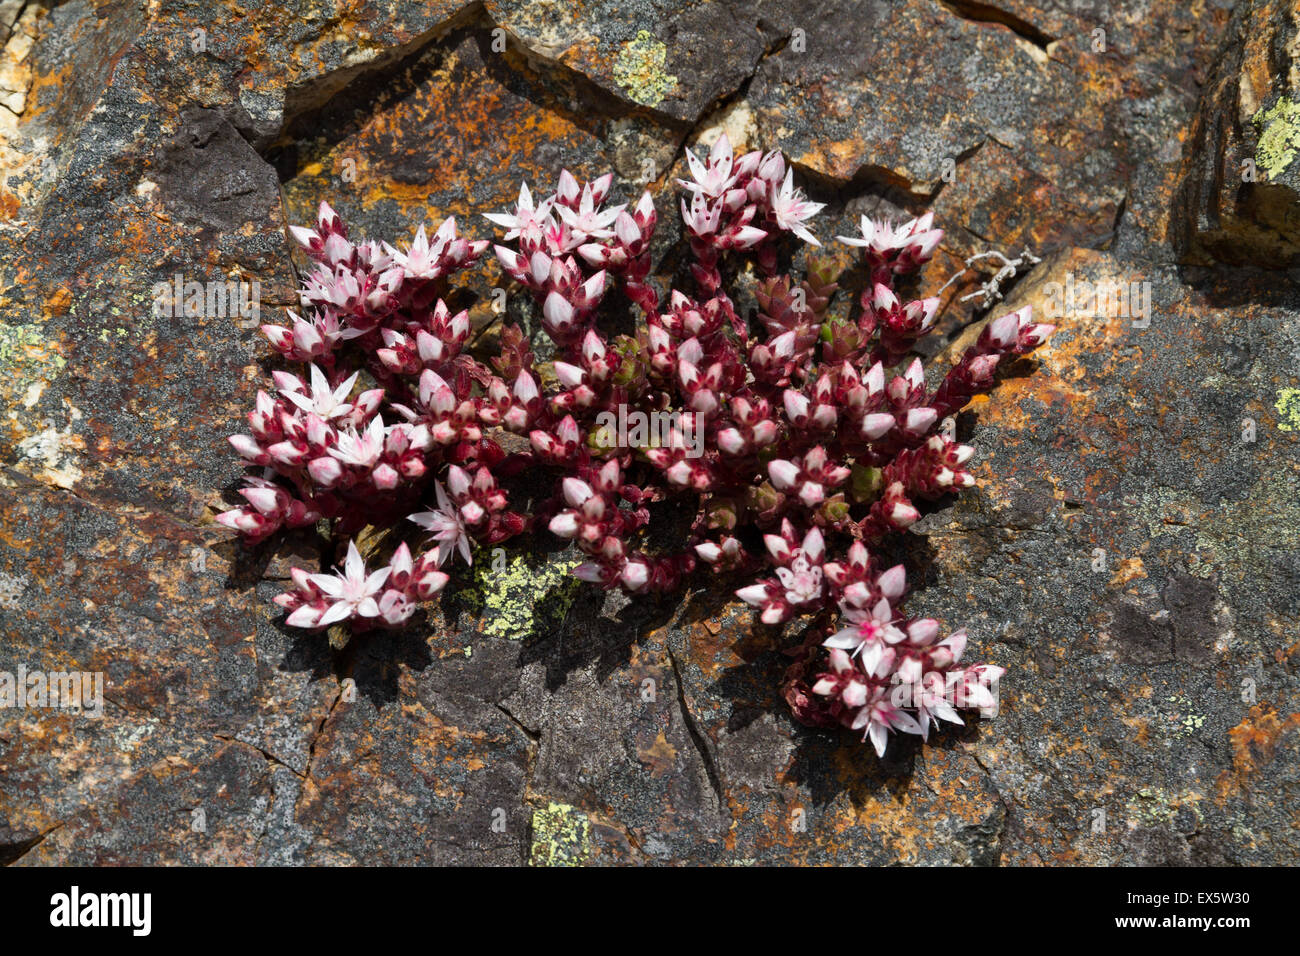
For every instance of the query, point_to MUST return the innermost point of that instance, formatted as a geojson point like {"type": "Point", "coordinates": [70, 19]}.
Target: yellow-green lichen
{"type": "Point", "coordinates": [1288, 410]}
{"type": "Point", "coordinates": [23, 345]}
{"type": "Point", "coordinates": [1279, 138]}
{"type": "Point", "coordinates": [639, 70]}
{"type": "Point", "coordinates": [522, 596]}
{"type": "Point", "coordinates": [1183, 724]}
{"type": "Point", "coordinates": [561, 836]}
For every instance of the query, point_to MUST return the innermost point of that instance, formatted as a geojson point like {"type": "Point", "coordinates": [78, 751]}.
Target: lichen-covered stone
{"type": "Point", "coordinates": [676, 58]}
{"type": "Point", "coordinates": [1129, 553]}
{"type": "Point", "coordinates": [1240, 198]}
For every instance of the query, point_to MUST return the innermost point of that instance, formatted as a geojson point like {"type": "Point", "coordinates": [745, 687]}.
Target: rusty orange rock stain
{"type": "Point", "coordinates": [1255, 742]}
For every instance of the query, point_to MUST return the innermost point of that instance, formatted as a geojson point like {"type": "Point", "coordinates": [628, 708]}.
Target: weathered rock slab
{"type": "Point", "coordinates": [1129, 553]}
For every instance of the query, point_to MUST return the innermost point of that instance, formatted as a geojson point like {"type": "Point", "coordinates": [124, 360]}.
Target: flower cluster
{"type": "Point", "coordinates": [740, 203]}
{"type": "Point", "coordinates": [885, 671]}
{"type": "Point", "coordinates": [784, 440]}
{"type": "Point", "coordinates": [384, 598]}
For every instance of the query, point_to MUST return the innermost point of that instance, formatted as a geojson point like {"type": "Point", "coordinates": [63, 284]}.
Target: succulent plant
{"type": "Point", "coordinates": [794, 441]}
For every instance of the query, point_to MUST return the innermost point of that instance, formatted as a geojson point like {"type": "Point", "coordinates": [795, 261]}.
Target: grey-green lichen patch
{"type": "Point", "coordinates": [522, 595]}
{"type": "Point", "coordinates": [1268, 517]}
{"type": "Point", "coordinates": [639, 70]}
{"type": "Point", "coordinates": [1153, 806]}
{"type": "Point", "coordinates": [1164, 511]}
{"type": "Point", "coordinates": [1288, 410]}
{"type": "Point", "coordinates": [561, 836]}
{"type": "Point", "coordinates": [1279, 137]}
{"type": "Point", "coordinates": [1234, 532]}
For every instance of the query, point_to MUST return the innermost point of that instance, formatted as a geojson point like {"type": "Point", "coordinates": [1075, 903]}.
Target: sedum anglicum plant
{"type": "Point", "coordinates": [791, 443]}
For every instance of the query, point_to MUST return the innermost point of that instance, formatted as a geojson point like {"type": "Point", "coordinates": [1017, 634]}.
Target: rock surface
{"type": "Point", "coordinates": [1131, 554]}
{"type": "Point", "coordinates": [1240, 202]}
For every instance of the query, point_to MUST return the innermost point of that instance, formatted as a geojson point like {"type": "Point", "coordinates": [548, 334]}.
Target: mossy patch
{"type": "Point", "coordinates": [1288, 410]}
{"type": "Point", "coordinates": [561, 836]}
{"type": "Point", "coordinates": [1181, 721]}
{"type": "Point", "coordinates": [1279, 137]}
{"type": "Point", "coordinates": [522, 595]}
{"type": "Point", "coordinates": [23, 345]}
{"type": "Point", "coordinates": [1154, 807]}
{"type": "Point", "coordinates": [639, 70]}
